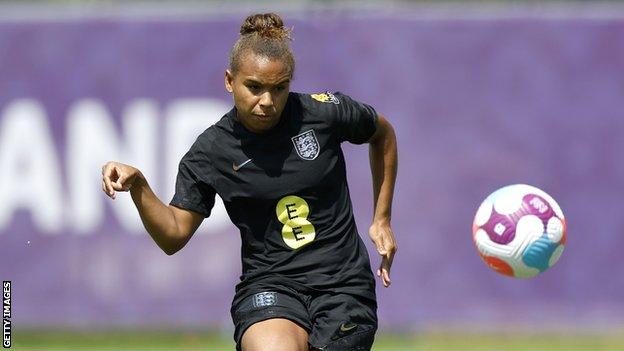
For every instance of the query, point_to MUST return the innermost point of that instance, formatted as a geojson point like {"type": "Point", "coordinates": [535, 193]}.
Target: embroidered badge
{"type": "Point", "coordinates": [306, 145]}
{"type": "Point", "coordinates": [326, 97]}
{"type": "Point", "coordinates": [264, 299]}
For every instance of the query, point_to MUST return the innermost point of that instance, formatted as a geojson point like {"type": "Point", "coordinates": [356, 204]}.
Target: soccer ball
{"type": "Point", "coordinates": [519, 231]}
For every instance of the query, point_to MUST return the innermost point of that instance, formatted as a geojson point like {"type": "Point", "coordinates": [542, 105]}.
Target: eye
{"type": "Point", "coordinates": [253, 87]}
{"type": "Point", "coordinates": [280, 88]}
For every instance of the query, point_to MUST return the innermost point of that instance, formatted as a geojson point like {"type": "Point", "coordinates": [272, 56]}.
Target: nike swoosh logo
{"type": "Point", "coordinates": [347, 327]}
{"type": "Point", "coordinates": [236, 168]}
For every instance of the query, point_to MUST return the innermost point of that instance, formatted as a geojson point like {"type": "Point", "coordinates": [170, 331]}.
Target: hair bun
{"type": "Point", "coordinates": [268, 25]}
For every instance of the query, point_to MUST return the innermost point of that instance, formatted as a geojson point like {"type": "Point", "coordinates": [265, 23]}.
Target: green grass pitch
{"type": "Point", "coordinates": [65, 341]}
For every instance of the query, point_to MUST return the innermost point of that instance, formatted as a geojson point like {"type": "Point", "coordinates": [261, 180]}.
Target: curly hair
{"type": "Point", "coordinates": [263, 34]}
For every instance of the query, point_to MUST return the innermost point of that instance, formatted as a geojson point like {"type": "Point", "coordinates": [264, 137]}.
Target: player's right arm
{"type": "Point", "coordinates": [169, 226]}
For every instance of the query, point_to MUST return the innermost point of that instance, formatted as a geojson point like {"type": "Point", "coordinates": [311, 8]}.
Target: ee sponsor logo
{"type": "Point", "coordinates": [293, 211]}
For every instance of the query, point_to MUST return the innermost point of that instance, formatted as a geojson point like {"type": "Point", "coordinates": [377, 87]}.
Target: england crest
{"type": "Point", "coordinates": [264, 299]}
{"type": "Point", "coordinates": [306, 145]}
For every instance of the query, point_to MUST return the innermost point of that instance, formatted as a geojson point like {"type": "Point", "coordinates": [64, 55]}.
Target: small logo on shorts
{"type": "Point", "coordinates": [347, 327]}
{"type": "Point", "coordinates": [236, 167]}
{"type": "Point", "coordinates": [264, 299]}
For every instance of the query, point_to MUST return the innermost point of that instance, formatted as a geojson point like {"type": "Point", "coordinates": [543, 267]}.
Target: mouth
{"type": "Point", "coordinates": [263, 117]}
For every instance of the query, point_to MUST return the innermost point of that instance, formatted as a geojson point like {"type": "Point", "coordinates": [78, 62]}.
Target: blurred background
{"type": "Point", "coordinates": [481, 94]}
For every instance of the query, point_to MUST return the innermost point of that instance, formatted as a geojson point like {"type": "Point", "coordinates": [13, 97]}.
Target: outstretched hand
{"type": "Point", "coordinates": [381, 234]}
{"type": "Point", "coordinates": [118, 177]}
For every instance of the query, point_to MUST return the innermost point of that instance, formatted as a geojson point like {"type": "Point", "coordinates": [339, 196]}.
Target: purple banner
{"type": "Point", "coordinates": [476, 105]}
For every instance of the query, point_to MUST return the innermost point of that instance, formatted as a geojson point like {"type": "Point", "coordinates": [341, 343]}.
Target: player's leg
{"type": "Point", "coordinates": [275, 334]}
{"type": "Point", "coordinates": [342, 322]}
{"type": "Point", "coordinates": [270, 317]}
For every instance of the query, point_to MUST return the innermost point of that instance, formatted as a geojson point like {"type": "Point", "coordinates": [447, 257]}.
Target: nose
{"type": "Point", "coordinates": [266, 100]}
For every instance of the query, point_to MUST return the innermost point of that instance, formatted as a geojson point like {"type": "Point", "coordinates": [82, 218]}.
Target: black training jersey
{"type": "Point", "coordinates": [286, 191]}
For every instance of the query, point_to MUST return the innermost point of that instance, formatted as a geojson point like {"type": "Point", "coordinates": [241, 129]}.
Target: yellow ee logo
{"type": "Point", "coordinates": [292, 211]}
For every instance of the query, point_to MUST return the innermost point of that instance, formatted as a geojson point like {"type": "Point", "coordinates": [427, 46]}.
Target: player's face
{"type": "Point", "coordinates": [260, 90]}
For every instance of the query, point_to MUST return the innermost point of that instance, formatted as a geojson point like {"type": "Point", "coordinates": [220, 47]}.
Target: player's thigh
{"type": "Point", "coordinates": [277, 334]}
{"type": "Point", "coordinates": [343, 322]}
{"type": "Point", "coordinates": [265, 303]}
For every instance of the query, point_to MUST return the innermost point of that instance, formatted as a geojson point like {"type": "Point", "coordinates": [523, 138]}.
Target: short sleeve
{"type": "Point", "coordinates": [355, 122]}
{"type": "Point", "coordinates": [191, 192]}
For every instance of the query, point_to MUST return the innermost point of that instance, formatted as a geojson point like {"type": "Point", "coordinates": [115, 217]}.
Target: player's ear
{"type": "Point", "coordinates": [229, 81]}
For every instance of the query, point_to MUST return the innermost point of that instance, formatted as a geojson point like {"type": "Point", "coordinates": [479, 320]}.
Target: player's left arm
{"type": "Point", "coordinates": [383, 163]}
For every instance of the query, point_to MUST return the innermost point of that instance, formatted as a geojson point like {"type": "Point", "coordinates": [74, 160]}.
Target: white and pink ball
{"type": "Point", "coordinates": [519, 231]}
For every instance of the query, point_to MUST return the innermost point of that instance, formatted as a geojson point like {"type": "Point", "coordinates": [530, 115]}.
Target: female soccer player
{"type": "Point", "coordinates": [275, 160]}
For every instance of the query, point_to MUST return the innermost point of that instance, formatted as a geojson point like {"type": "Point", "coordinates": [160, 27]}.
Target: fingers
{"type": "Point", "coordinates": [386, 247]}
{"type": "Point", "coordinates": [384, 275]}
{"type": "Point", "coordinates": [385, 279]}
{"type": "Point", "coordinates": [384, 241]}
{"type": "Point", "coordinates": [121, 178]}
{"type": "Point", "coordinates": [117, 177]}
{"type": "Point", "coordinates": [384, 270]}
{"type": "Point", "coordinates": [107, 173]}
{"type": "Point", "coordinates": [122, 183]}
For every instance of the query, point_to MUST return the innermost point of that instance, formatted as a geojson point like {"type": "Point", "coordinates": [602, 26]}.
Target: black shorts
{"type": "Point", "coordinates": [334, 321]}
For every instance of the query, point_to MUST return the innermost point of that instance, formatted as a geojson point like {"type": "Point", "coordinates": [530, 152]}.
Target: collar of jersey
{"type": "Point", "coordinates": [240, 129]}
